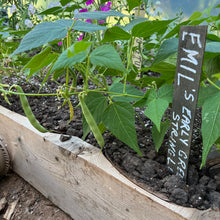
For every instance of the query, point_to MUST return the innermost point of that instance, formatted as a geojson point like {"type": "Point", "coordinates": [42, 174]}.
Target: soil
{"type": "Point", "coordinates": [31, 205]}
{"type": "Point", "coordinates": [201, 190]}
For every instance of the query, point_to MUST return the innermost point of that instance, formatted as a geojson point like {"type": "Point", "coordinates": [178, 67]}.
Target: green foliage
{"type": "Point", "coordinates": [115, 33]}
{"type": "Point", "coordinates": [131, 93]}
{"type": "Point", "coordinates": [147, 28]}
{"type": "Point", "coordinates": [99, 15]}
{"type": "Point", "coordinates": [157, 136]}
{"type": "Point", "coordinates": [108, 57]}
{"type": "Point", "coordinates": [46, 32]}
{"type": "Point", "coordinates": [167, 49]}
{"type": "Point", "coordinates": [155, 111]}
{"type": "Point", "coordinates": [119, 118]}
{"type": "Point", "coordinates": [210, 124]}
{"type": "Point", "coordinates": [86, 44]}
{"type": "Point", "coordinates": [65, 60]}
{"type": "Point", "coordinates": [132, 4]}
{"type": "Point", "coordinates": [39, 61]}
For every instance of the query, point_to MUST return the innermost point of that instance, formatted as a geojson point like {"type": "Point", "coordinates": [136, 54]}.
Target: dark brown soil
{"type": "Point", "coordinates": [31, 204]}
{"type": "Point", "coordinates": [202, 188]}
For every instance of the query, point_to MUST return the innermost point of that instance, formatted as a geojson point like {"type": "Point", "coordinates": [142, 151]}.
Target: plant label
{"type": "Point", "coordinates": [191, 49]}
{"type": "Point", "coordinates": [138, 42]}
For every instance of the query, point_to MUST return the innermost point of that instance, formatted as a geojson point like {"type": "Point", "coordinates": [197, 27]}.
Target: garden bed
{"type": "Point", "coordinates": [68, 161]}
{"type": "Point", "coordinates": [76, 177]}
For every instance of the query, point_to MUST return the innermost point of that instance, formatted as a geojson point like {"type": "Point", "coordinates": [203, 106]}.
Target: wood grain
{"type": "Point", "coordinates": [79, 179]}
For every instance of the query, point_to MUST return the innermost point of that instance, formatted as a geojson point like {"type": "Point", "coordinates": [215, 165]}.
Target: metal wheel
{"type": "Point", "coordinates": [4, 158]}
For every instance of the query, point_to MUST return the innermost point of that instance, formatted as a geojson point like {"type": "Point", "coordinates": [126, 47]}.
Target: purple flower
{"type": "Point", "coordinates": [60, 43]}
{"type": "Point", "coordinates": [101, 21]}
{"type": "Point", "coordinates": [13, 9]}
{"type": "Point", "coordinates": [80, 37]}
{"type": "Point", "coordinates": [31, 10]}
{"type": "Point", "coordinates": [89, 21]}
{"type": "Point", "coordinates": [28, 23]}
{"type": "Point", "coordinates": [106, 7]}
{"type": "Point", "coordinates": [89, 2]}
{"type": "Point", "coordinates": [83, 10]}
{"type": "Point", "coordinates": [17, 26]}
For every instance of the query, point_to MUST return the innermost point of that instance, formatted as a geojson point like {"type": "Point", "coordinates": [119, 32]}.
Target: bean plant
{"type": "Point", "coordinates": [84, 42]}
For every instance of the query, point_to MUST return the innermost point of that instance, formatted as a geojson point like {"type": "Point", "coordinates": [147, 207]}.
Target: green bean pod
{"type": "Point", "coordinates": [28, 112]}
{"type": "Point", "coordinates": [91, 122]}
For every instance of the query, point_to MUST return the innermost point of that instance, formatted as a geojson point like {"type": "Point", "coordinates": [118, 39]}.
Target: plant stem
{"type": "Point", "coordinates": [68, 45]}
{"type": "Point", "coordinates": [28, 94]}
{"type": "Point", "coordinates": [212, 83]}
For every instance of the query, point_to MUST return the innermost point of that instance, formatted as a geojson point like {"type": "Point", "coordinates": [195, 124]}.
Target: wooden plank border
{"type": "Point", "coordinates": [77, 178]}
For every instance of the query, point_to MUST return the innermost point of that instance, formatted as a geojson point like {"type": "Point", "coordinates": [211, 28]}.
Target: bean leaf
{"type": "Point", "coordinates": [46, 32]}
{"type": "Point", "coordinates": [155, 111]}
{"type": "Point", "coordinates": [159, 136]}
{"type": "Point", "coordinates": [119, 118]}
{"type": "Point", "coordinates": [210, 124]}
{"type": "Point", "coordinates": [108, 57]}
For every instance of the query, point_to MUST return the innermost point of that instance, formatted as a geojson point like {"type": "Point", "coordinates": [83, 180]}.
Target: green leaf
{"type": "Point", "coordinates": [210, 124]}
{"type": "Point", "coordinates": [129, 90]}
{"type": "Point", "coordinates": [64, 2]}
{"type": "Point", "coordinates": [115, 33]}
{"type": "Point", "coordinates": [119, 118]}
{"type": "Point", "coordinates": [166, 68]}
{"type": "Point", "coordinates": [152, 95]}
{"type": "Point", "coordinates": [40, 35]}
{"type": "Point", "coordinates": [212, 37]}
{"type": "Point", "coordinates": [132, 4]}
{"type": "Point", "coordinates": [81, 25]}
{"type": "Point", "coordinates": [147, 81]}
{"type": "Point", "coordinates": [133, 22]}
{"type": "Point", "coordinates": [217, 75]}
{"type": "Point", "coordinates": [212, 49]}
{"type": "Point", "coordinates": [96, 104]}
{"type": "Point", "coordinates": [143, 102]}
{"type": "Point", "coordinates": [147, 28]}
{"type": "Point", "coordinates": [207, 92]}
{"type": "Point", "coordinates": [212, 66]}
{"type": "Point", "coordinates": [176, 29]}
{"type": "Point", "coordinates": [52, 11]}
{"type": "Point", "coordinates": [49, 72]}
{"type": "Point", "coordinates": [99, 15]}
{"type": "Point", "coordinates": [167, 48]}
{"type": "Point", "coordinates": [58, 73]}
{"type": "Point", "coordinates": [108, 57]}
{"type": "Point", "coordinates": [155, 111]}
{"type": "Point", "coordinates": [157, 136]}
{"type": "Point", "coordinates": [64, 61]}
{"type": "Point", "coordinates": [165, 92]}
{"type": "Point", "coordinates": [39, 61]}
{"type": "Point", "coordinates": [195, 15]}
{"type": "Point", "coordinates": [81, 46]}
{"type": "Point", "coordinates": [46, 32]}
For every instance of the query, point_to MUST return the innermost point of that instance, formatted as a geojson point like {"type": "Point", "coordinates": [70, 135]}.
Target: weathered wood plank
{"type": "Point", "coordinates": [77, 177]}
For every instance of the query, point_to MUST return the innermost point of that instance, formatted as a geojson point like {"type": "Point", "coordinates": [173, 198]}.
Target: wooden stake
{"type": "Point", "coordinates": [191, 49]}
